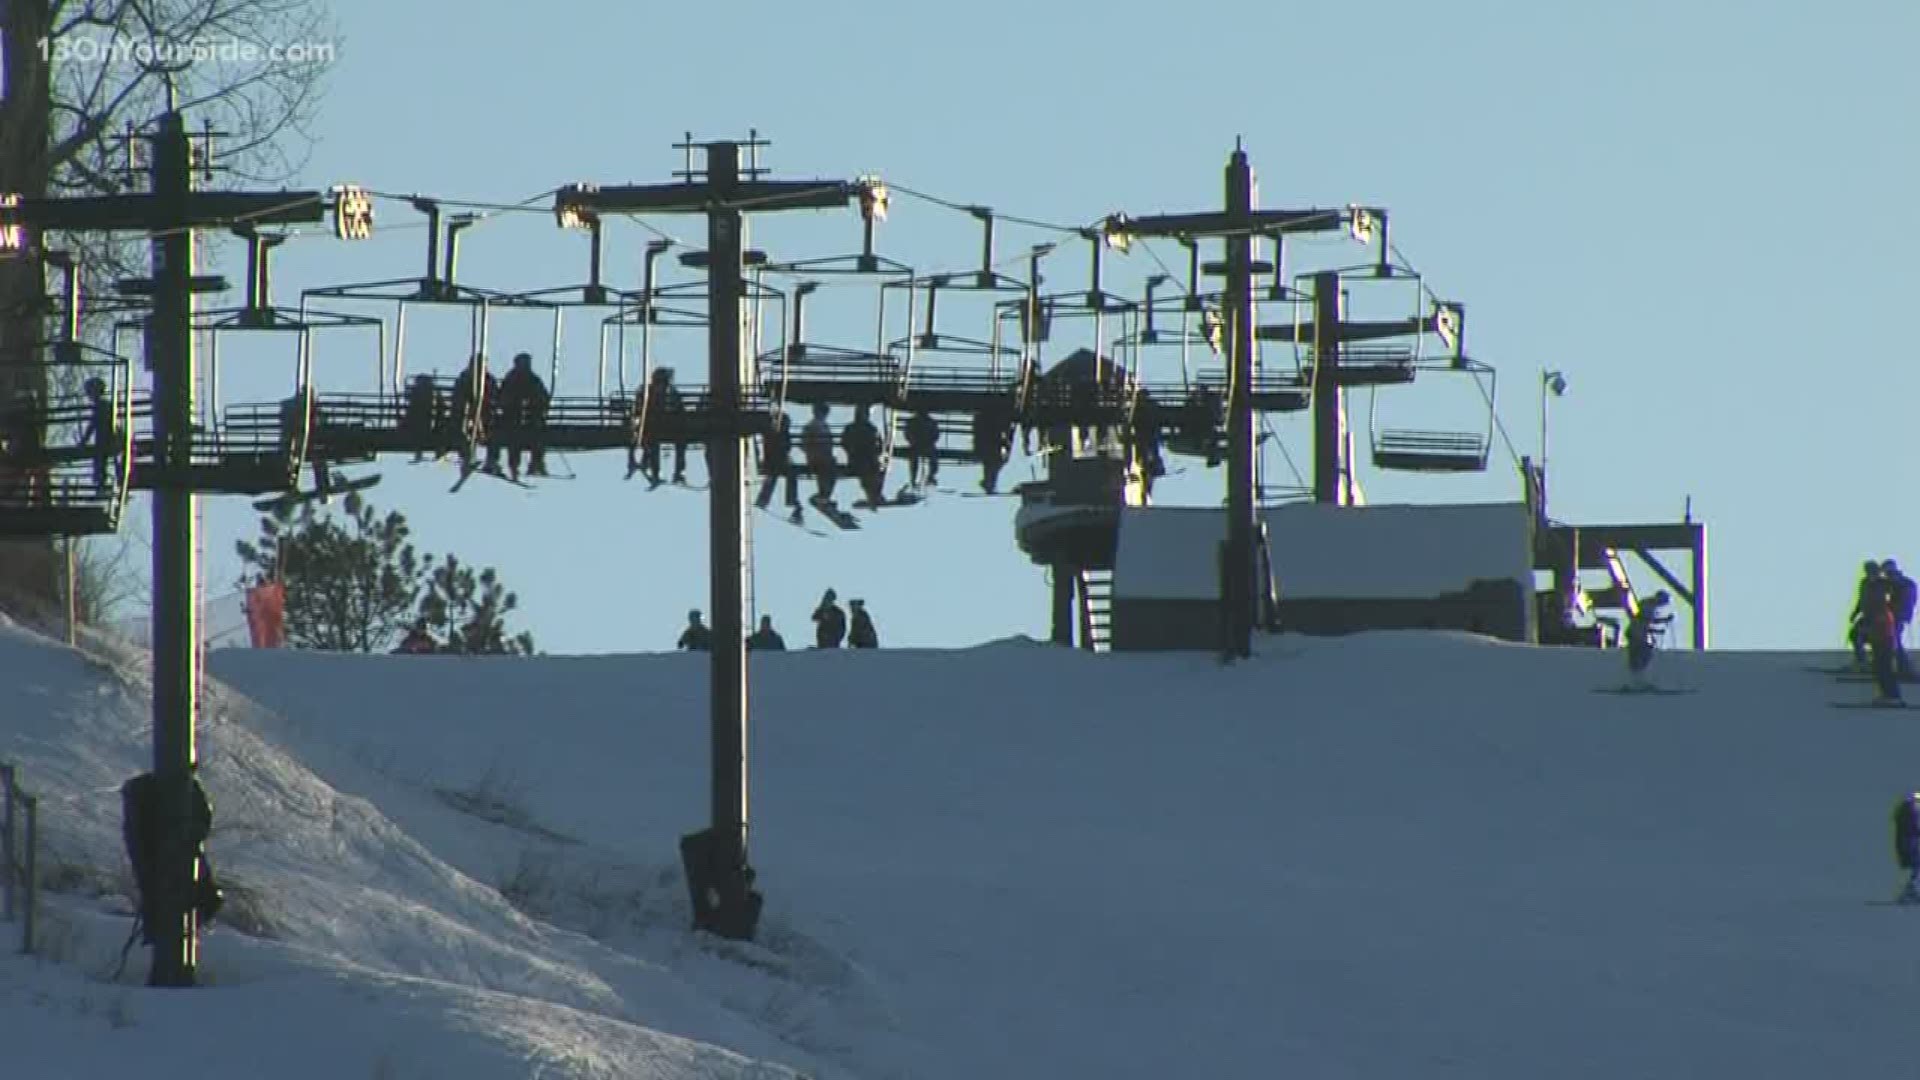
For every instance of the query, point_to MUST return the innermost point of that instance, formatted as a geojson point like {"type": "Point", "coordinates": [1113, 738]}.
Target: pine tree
{"type": "Point", "coordinates": [466, 612]}
{"type": "Point", "coordinates": [352, 583]}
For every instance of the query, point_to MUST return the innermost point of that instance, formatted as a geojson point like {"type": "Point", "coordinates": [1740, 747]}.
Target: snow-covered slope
{"type": "Point", "coordinates": [1384, 856]}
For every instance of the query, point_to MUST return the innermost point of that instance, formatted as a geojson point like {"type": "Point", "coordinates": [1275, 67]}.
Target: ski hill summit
{"type": "Point", "coordinates": [1388, 854]}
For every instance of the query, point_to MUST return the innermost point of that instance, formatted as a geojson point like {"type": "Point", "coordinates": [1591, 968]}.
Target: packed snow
{"type": "Point", "coordinates": [1388, 855]}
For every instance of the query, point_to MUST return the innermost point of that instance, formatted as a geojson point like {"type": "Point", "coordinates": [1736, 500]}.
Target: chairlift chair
{"type": "Point", "coordinates": [63, 472]}
{"type": "Point", "coordinates": [1437, 451]}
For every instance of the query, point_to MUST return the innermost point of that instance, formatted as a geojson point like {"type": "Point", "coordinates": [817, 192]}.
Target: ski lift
{"type": "Point", "coordinates": [930, 370]}
{"type": "Point", "coordinates": [436, 286]}
{"type": "Point", "coordinates": [649, 421]}
{"type": "Point", "coordinates": [255, 445]}
{"type": "Point", "coordinates": [402, 416]}
{"type": "Point", "coordinates": [65, 455]}
{"type": "Point", "coordinates": [1424, 450]}
{"type": "Point", "coordinates": [1369, 352]}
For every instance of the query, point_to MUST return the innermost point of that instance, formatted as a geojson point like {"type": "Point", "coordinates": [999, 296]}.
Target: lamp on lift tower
{"type": "Point", "coordinates": [1553, 382]}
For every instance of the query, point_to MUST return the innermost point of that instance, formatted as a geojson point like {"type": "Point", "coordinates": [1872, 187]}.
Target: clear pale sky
{"type": "Point", "coordinates": [1698, 211]}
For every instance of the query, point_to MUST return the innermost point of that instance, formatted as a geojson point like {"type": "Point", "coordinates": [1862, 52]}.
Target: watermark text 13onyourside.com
{"type": "Point", "coordinates": [88, 49]}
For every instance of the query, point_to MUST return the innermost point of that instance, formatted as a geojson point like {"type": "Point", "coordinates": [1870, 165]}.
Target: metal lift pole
{"type": "Point", "coordinates": [725, 462]}
{"type": "Point", "coordinates": [1330, 464]}
{"type": "Point", "coordinates": [1237, 224]}
{"type": "Point", "coordinates": [176, 938]}
{"type": "Point", "coordinates": [1239, 586]}
{"type": "Point", "coordinates": [719, 877]}
{"type": "Point", "coordinates": [169, 212]}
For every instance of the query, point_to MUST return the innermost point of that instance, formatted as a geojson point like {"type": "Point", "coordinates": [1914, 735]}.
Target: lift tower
{"type": "Point", "coordinates": [1237, 226]}
{"type": "Point", "coordinates": [718, 874]}
{"type": "Point", "coordinates": [170, 211]}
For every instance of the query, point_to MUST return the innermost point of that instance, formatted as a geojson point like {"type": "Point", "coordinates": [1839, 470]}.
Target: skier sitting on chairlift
{"type": "Point", "coordinates": [102, 434]}
{"type": "Point", "coordinates": [816, 444]}
{"type": "Point", "coordinates": [861, 440]}
{"type": "Point", "coordinates": [923, 449]}
{"type": "Point", "coordinates": [472, 412]}
{"type": "Point", "coordinates": [420, 419]}
{"type": "Point", "coordinates": [523, 417]}
{"type": "Point", "coordinates": [658, 403]}
{"type": "Point", "coordinates": [776, 464]}
{"type": "Point", "coordinates": [992, 442]}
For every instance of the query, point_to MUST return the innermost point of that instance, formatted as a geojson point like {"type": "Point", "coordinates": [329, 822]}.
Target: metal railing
{"type": "Point", "coordinates": [19, 855]}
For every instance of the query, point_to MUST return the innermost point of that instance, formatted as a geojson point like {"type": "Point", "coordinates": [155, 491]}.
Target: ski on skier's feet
{"type": "Point", "coordinates": [492, 474]}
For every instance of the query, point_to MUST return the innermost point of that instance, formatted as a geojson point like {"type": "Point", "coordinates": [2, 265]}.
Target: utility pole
{"type": "Point", "coordinates": [719, 876]}
{"type": "Point", "coordinates": [170, 211]}
{"type": "Point", "coordinates": [1237, 225]}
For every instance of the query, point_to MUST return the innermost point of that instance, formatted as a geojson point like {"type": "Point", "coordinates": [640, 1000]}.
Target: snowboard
{"type": "Point", "coordinates": [902, 499]}
{"type": "Point", "coordinates": [1867, 704]}
{"type": "Point", "coordinates": [787, 519]}
{"type": "Point", "coordinates": [835, 513]}
{"type": "Point", "coordinates": [338, 485]}
{"type": "Point", "coordinates": [1656, 690]}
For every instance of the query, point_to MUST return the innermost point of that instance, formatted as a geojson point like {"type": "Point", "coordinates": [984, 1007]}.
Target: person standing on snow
{"type": "Point", "coordinates": [696, 637]}
{"type": "Point", "coordinates": [418, 641]}
{"type": "Point", "coordinates": [829, 623]}
{"type": "Point", "coordinates": [1872, 584]}
{"type": "Point", "coordinates": [1906, 845]}
{"type": "Point", "coordinates": [1901, 588]}
{"type": "Point", "coordinates": [863, 635]}
{"type": "Point", "coordinates": [1643, 630]}
{"type": "Point", "coordinates": [766, 639]}
{"type": "Point", "coordinates": [1881, 630]}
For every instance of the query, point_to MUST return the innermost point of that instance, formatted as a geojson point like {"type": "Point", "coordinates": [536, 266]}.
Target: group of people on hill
{"type": "Point", "coordinates": [1882, 610]}
{"type": "Point", "coordinates": [831, 627]}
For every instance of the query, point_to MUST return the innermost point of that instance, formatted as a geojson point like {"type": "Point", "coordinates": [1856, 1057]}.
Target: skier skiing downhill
{"type": "Point", "coordinates": [1906, 845]}
{"type": "Point", "coordinates": [1643, 631]}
